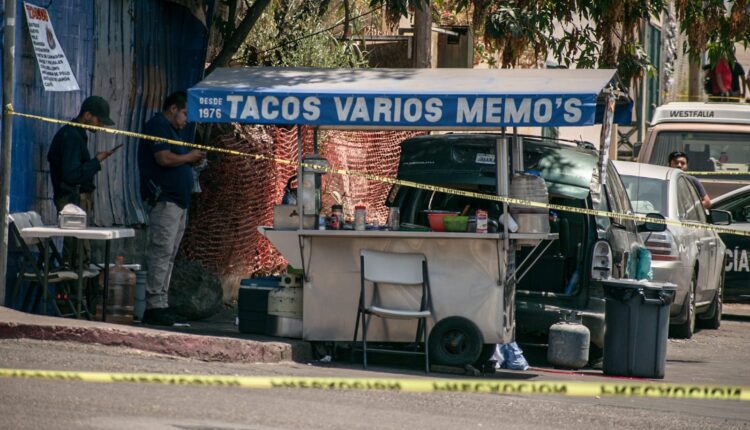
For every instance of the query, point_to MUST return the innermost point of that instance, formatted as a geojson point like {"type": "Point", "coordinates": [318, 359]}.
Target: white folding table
{"type": "Point", "coordinates": [92, 233]}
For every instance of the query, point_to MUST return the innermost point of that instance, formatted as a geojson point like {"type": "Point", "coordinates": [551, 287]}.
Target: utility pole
{"type": "Point", "coordinates": [9, 47]}
{"type": "Point", "coordinates": [422, 35]}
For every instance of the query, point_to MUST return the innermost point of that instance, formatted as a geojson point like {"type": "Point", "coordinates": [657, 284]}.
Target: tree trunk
{"type": "Point", "coordinates": [422, 35]}
{"type": "Point", "coordinates": [235, 41]}
{"type": "Point", "coordinates": [347, 20]}
{"type": "Point", "coordinates": [695, 81]}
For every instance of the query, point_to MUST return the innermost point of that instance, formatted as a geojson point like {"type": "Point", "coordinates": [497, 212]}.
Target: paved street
{"type": "Point", "coordinates": [712, 357]}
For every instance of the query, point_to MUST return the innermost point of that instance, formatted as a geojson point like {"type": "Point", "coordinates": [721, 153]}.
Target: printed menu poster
{"type": "Point", "coordinates": [54, 67]}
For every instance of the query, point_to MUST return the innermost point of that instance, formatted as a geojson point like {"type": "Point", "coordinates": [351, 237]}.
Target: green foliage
{"type": "Point", "coordinates": [595, 33]}
{"type": "Point", "coordinates": [714, 26]}
{"type": "Point", "coordinates": [285, 36]}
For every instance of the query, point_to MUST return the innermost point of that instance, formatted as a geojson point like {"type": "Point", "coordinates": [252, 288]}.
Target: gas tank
{"type": "Point", "coordinates": [568, 343]}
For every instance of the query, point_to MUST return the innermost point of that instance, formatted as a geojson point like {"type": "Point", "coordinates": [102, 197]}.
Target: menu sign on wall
{"type": "Point", "coordinates": [53, 65]}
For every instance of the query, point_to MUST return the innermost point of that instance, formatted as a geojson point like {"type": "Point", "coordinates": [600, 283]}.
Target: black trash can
{"type": "Point", "coordinates": [637, 326]}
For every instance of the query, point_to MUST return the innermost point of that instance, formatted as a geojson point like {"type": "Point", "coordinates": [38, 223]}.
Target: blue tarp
{"type": "Point", "coordinates": [401, 98]}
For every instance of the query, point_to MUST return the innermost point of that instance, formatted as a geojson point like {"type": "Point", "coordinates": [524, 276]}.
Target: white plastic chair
{"type": "Point", "coordinates": [393, 270]}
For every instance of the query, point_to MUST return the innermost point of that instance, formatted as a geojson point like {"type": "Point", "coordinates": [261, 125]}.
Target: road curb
{"type": "Point", "coordinates": [206, 348]}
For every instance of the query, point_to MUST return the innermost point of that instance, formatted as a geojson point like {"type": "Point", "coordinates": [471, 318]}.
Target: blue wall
{"type": "Point", "coordinates": [133, 53]}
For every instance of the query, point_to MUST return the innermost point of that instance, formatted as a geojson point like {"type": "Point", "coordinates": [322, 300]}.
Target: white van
{"type": "Point", "coordinates": [715, 137]}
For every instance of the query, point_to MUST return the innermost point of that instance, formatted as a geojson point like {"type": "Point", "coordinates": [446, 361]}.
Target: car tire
{"type": "Point", "coordinates": [686, 329]}
{"type": "Point", "coordinates": [713, 314]}
{"type": "Point", "coordinates": [455, 341]}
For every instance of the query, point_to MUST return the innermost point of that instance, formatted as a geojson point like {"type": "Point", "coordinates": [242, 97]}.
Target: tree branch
{"type": "Point", "coordinates": [232, 45]}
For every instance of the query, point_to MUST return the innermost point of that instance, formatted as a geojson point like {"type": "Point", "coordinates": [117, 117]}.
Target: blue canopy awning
{"type": "Point", "coordinates": [401, 98]}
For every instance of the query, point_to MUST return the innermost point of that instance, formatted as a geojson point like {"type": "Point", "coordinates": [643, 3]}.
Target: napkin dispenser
{"type": "Point", "coordinates": [286, 217]}
{"type": "Point", "coordinates": [71, 217]}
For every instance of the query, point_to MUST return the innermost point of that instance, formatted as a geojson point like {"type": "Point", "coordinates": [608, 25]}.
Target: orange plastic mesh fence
{"type": "Point", "coordinates": [239, 193]}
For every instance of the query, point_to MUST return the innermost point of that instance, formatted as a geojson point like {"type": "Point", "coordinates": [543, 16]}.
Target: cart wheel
{"type": "Point", "coordinates": [455, 341]}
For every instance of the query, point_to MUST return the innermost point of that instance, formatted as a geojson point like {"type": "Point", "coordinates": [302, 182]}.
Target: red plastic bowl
{"type": "Point", "coordinates": [435, 219]}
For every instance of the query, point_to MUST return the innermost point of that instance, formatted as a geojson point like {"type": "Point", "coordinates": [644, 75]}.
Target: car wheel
{"type": "Point", "coordinates": [455, 341]}
{"type": "Point", "coordinates": [713, 321]}
{"type": "Point", "coordinates": [685, 329]}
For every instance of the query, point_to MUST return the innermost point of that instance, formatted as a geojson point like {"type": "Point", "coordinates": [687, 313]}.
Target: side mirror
{"type": "Point", "coordinates": [653, 226]}
{"type": "Point", "coordinates": [718, 217]}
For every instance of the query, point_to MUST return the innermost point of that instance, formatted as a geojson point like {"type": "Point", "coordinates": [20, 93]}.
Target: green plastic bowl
{"type": "Point", "coordinates": [456, 223]}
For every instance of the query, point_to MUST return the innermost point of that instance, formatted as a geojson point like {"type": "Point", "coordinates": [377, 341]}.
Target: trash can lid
{"type": "Point", "coordinates": [633, 283]}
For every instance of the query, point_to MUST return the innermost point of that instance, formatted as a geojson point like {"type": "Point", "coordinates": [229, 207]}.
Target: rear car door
{"type": "Point", "coordinates": [704, 241]}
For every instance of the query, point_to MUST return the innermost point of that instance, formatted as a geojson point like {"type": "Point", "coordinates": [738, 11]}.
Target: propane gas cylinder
{"type": "Point", "coordinates": [568, 343]}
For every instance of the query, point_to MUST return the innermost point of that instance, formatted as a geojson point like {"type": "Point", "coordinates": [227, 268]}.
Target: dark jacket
{"type": "Point", "coordinates": [159, 183]}
{"type": "Point", "coordinates": [71, 167]}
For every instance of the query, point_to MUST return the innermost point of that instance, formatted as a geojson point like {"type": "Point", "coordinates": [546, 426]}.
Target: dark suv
{"type": "Point", "coordinates": [562, 278]}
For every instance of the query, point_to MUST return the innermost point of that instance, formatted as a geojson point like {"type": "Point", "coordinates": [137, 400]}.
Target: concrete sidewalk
{"type": "Point", "coordinates": [205, 341]}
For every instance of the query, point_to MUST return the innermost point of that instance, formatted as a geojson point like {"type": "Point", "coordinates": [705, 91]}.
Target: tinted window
{"type": "Point", "coordinates": [602, 223]}
{"type": "Point", "coordinates": [647, 195]}
{"type": "Point", "coordinates": [737, 207]}
{"type": "Point", "coordinates": [622, 202]}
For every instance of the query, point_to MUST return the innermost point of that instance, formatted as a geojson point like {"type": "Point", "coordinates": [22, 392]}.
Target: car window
{"type": "Point", "coordinates": [620, 195]}
{"type": "Point", "coordinates": [739, 207]}
{"type": "Point", "coordinates": [603, 223]}
{"type": "Point", "coordinates": [647, 195]}
{"type": "Point", "coordinates": [697, 213]}
{"type": "Point", "coordinates": [690, 205]}
{"type": "Point", "coordinates": [707, 151]}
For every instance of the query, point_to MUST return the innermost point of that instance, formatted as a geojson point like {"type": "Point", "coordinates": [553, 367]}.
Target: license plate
{"type": "Point", "coordinates": [485, 159]}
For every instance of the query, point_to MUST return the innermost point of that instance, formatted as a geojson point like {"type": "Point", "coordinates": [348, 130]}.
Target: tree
{"type": "Point", "coordinates": [595, 33]}
{"type": "Point", "coordinates": [235, 36]}
{"type": "Point", "coordinates": [714, 26]}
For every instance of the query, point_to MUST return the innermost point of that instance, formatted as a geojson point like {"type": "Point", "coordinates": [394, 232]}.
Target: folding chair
{"type": "Point", "coordinates": [32, 268]}
{"type": "Point", "coordinates": [393, 270]}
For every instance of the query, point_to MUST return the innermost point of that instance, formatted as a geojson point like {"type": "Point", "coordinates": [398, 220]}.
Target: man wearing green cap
{"type": "Point", "coordinates": [72, 168]}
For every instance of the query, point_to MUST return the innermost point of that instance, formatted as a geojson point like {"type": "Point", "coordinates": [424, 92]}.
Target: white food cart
{"type": "Point", "coordinates": [471, 274]}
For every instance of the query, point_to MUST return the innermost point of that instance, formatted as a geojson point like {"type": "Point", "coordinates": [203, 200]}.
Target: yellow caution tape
{"type": "Point", "coordinates": [485, 386]}
{"type": "Point", "coordinates": [392, 181]}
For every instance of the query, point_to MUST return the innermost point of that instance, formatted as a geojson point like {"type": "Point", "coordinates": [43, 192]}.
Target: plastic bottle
{"type": "Point", "coordinates": [321, 221]}
{"type": "Point", "coordinates": [481, 221]}
{"type": "Point", "coordinates": [394, 215]}
{"type": "Point", "coordinates": [121, 292]}
{"type": "Point", "coordinates": [359, 217]}
{"type": "Point", "coordinates": [337, 217]}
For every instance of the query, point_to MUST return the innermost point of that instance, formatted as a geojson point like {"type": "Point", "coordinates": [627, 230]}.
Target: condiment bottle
{"type": "Point", "coordinates": [359, 217]}
{"type": "Point", "coordinates": [481, 221]}
{"type": "Point", "coordinates": [337, 217]}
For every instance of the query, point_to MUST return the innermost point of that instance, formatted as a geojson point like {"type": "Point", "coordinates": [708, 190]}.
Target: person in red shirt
{"type": "Point", "coordinates": [722, 79]}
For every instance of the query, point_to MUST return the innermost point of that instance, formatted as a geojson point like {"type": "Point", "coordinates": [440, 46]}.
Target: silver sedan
{"type": "Point", "coordinates": [689, 257]}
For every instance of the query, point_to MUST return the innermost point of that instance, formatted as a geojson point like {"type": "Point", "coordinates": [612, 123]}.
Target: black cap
{"type": "Point", "coordinates": [98, 107]}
